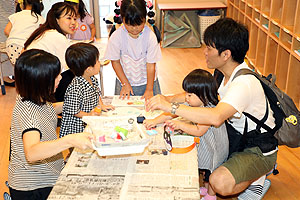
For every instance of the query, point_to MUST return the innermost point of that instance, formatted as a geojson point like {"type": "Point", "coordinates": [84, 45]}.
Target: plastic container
{"type": "Point", "coordinates": [207, 18]}
{"type": "Point", "coordinates": [100, 126]}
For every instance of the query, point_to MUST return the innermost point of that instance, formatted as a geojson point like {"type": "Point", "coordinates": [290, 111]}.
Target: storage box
{"type": "Point", "coordinates": [204, 22]}
{"type": "Point", "coordinates": [135, 140]}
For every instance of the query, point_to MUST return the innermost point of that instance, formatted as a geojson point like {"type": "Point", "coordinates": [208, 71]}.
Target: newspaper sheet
{"type": "Point", "coordinates": [155, 174]}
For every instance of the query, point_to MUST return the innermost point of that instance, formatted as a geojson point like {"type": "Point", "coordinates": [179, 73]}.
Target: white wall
{"type": "Point", "coordinates": [49, 3]}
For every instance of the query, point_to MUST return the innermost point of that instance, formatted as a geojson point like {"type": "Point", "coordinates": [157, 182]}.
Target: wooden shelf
{"type": "Point", "coordinates": [274, 39]}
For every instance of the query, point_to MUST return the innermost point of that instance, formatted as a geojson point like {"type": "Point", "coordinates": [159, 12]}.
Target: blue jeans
{"type": "Point", "coordinates": [138, 90]}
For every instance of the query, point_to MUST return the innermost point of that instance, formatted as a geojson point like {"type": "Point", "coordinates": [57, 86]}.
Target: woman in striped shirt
{"type": "Point", "coordinates": [36, 158]}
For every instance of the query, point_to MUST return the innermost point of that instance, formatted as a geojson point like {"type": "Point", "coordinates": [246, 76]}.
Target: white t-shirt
{"type": "Point", "coordinates": [134, 53]}
{"type": "Point", "coordinates": [245, 94]}
{"type": "Point", "coordinates": [134, 46]}
{"type": "Point", "coordinates": [23, 25]}
{"type": "Point", "coordinates": [53, 42]}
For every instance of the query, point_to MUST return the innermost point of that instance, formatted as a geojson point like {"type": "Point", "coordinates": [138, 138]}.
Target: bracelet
{"type": "Point", "coordinates": [123, 84]}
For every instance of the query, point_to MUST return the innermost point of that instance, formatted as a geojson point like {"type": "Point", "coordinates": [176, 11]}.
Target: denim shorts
{"type": "Point", "coordinates": [138, 90]}
{"type": "Point", "coordinates": [249, 164]}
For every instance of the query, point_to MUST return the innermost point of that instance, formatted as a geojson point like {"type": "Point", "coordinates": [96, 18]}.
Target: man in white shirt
{"type": "Point", "coordinates": [227, 44]}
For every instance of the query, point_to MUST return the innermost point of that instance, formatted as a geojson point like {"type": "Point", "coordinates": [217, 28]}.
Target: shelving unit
{"type": "Point", "coordinates": [274, 38]}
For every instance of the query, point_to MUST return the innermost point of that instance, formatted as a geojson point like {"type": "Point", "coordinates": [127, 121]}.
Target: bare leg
{"type": "Point", "coordinates": [222, 182]}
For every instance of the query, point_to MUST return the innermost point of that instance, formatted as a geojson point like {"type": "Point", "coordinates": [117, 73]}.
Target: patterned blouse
{"type": "Point", "coordinates": [80, 96]}
{"type": "Point", "coordinates": [28, 116]}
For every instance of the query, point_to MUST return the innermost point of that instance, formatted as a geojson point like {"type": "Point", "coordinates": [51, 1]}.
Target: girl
{"type": "Point", "coordinates": [36, 158]}
{"type": "Point", "coordinates": [200, 90]}
{"type": "Point", "coordinates": [134, 50]}
{"type": "Point", "coordinates": [20, 27]}
{"type": "Point", "coordinates": [85, 30]}
{"type": "Point", "coordinates": [51, 37]}
{"type": "Point", "coordinates": [83, 94]}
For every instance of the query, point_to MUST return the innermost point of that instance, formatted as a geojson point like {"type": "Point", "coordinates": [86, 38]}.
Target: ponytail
{"type": "Point", "coordinates": [151, 21]}
{"type": "Point", "coordinates": [117, 18]}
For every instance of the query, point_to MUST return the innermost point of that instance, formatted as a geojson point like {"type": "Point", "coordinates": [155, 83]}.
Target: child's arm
{"type": "Point", "coordinates": [105, 107]}
{"type": "Point", "coordinates": [150, 81]}
{"type": "Point", "coordinates": [93, 31]}
{"type": "Point", "coordinates": [126, 87]}
{"type": "Point", "coordinates": [150, 123]}
{"type": "Point", "coordinates": [7, 29]}
{"type": "Point", "coordinates": [58, 107]}
{"type": "Point", "coordinates": [92, 113]}
{"type": "Point", "coordinates": [191, 129]}
{"type": "Point", "coordinates": [37, 150]}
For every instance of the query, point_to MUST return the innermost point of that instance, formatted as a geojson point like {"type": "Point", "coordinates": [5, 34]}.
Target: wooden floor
{"type": "Point", "coordinates": [175, 65]}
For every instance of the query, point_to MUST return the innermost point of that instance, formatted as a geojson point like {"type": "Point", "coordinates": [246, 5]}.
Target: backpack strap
{"type": "Point", "coordinates": [260, 123]}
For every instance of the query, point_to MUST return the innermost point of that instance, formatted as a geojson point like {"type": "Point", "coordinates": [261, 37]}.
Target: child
{"type": "Point", "coordinates": [85, 30]}
{"type": "Point", "coordinates": [134, 50]}
{"type": "Point", "coordinates": [20, 27]}
{"type": "Point", "coordinates": [200, 91]}
{"type": "Point", "coordinates": [36, 159]}
{"type": "Point", "coordinates": [51, 37]}
{"type": "Point", "coordinates": [83, 94]}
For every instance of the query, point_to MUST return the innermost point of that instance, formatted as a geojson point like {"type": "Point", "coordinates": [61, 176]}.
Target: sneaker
{"type": "Point", "coordinates": [6, 196]}
{"type": "Point", "coordinates": [6, 183]}
{"type": "Point", "coordinates": [256, 192]}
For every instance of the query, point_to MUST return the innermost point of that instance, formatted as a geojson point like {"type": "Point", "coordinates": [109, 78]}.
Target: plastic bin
{"type": "Point", "coordinates": [204, 22]}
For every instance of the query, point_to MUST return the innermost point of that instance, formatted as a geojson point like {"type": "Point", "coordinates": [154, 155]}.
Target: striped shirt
{"type": "Point", "coordinates": [23, 175]}
{"type": "Point", "coordinates": [80, 96]}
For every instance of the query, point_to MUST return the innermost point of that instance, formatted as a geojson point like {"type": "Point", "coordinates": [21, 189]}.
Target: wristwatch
{"type": "Point", "coordinates": [174, 107]}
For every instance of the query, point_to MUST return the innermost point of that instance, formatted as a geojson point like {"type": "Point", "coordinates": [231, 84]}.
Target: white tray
{"type": "Point", "coordinates": [107, 124]}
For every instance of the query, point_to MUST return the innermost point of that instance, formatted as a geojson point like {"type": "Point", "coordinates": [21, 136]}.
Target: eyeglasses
{"type": "Point", "coordinates": [167, 139]}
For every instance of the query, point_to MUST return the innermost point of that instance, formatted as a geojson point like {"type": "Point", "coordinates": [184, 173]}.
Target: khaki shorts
{"type": "Point", "coordinates": [249, 164]}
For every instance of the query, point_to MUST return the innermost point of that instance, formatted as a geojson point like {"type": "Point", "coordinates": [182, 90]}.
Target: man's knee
{"type": "Point", "coordinates": [222, 181]}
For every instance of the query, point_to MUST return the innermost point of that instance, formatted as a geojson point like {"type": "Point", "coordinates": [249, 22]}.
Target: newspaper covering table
{"type": "Point", "coordinates": [153, 174]}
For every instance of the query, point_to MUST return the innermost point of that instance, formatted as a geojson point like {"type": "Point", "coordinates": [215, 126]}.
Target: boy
{"type": "Point", "coordinates": [227, 44]}
{"type": "Point", "coordinates": [83, 93]}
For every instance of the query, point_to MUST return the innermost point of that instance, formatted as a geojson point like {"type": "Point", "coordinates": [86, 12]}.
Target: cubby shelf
{"type": "Point", "coordinates": [274, 38]}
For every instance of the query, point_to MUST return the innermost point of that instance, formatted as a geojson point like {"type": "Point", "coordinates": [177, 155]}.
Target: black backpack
{"type": "Point", "coordinates": [285, 112]}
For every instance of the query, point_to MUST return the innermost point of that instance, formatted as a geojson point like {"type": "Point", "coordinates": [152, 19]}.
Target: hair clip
{"type": "Point", "coordinates": [149, 4]}
{"type": "Point", "coordinates": [151, 14]}
{"type": "Point", "coordinates": [74, 1]}
{"type": "Point", "coordinates": [118, 3]}
{"type": "Point", "coordinates": [151, 21]}
{"type": "Point", "coordinates": [117, 11]}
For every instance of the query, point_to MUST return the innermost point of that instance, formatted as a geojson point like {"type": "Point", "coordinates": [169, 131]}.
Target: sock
{"type": "Point", "coordinates": [203, 191]}
{"type": "Point", "coordinates": [257, 186]}
{"type": "Point", "coordinates": [208, 197]}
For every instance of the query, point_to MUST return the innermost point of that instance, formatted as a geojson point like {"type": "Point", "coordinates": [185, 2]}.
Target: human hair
{"type": "Point", "coordinates": [82, 11]}
{"type": "Point", "coordinates": [57, 11]}
{"type": "Point", "coordinates": [227, 34]}
{"type": "Point", "coordinates": [80, 56]}
{"type": "Point", "coordinates": [35, 74]}
{"type": "Point", "coordinates": [134, 12]}
{"type": "Point", "coordinates": [37, 7]}
{"type": "Point", "coordinates": [202, 83]}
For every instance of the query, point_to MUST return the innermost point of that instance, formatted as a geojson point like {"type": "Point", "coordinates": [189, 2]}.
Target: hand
{"type": "Point", "coordinates": [174, 124]}
{"type": "Point", "coordinates": [158, 102]}
{"type": "Point", "coordinates": [149, 123]}
{"type": "Point", "coordinates": [148, 94]}
{"type": "Point", "coordinates": [81, 140]}
{"type": "Point", "coordinates": [107, 107]}
{"type": "Point", "coordinates": [94, 113]}
{"type": "Point", "coordinates": [126, 91]}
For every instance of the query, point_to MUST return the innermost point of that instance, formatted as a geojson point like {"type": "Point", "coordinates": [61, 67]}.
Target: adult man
{"type": "Point", "coordinates": [227, 44]}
